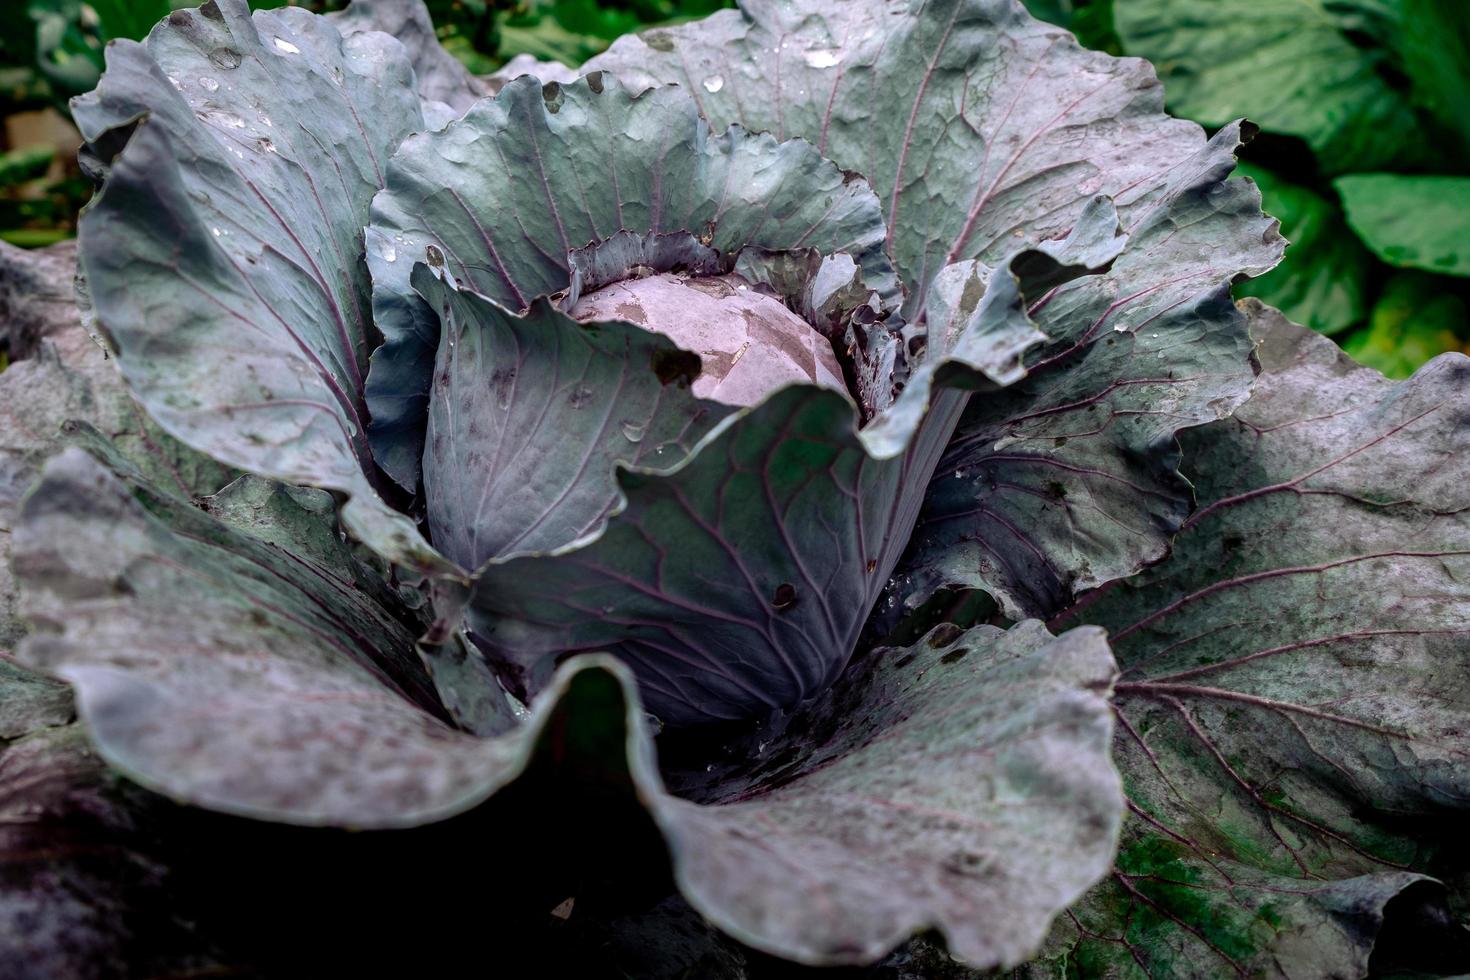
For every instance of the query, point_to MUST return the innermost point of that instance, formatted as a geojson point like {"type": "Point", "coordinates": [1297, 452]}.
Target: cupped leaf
{"type": "Point", "coordinates": [1323, 280]}
{"type": "Point", "coordinates": [961, 784]}
{"type": "Point", "coordinates": [1293, 698]}
{"type": "Point", "coordinates": [502, 196]}
{"type": "Point", "coordinates": [734, 583]}
{"type": "Point", "coordinates": [234, 674]}
{"type": "Point", "coordinates": [738, 580]}
{"type": "Point", "coordinates": [226, 670]}
{"type": "Point", "coordinates": [1290, 65]}
{"type": "Point", "coordinates": [529, 414]}
{"type": "Point", "coordinates": [1069, 478]}
{"type": "Point", "coordinates": [441, 76]}
{"type": "Point", "coordinates": [980, 127]}
{"type": "Point", "coordinates": [980, 326]}
{"type": "Point", "coordinates": [1411, 220]}
{"type": "Point", "coordinates": [223, 251]}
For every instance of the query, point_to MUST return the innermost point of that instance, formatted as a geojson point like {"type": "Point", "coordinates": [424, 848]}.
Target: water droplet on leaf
{"type": "Point", "coordinates": [286, 46]}
{"type": "Point", "coordinates": [634, 431]}
{"type": "Point", "coordinates": [713, 84]}
{"type": "Point", "coordinates": [208, 84]}
{"type": "Point", "coordinates": [822, 58]}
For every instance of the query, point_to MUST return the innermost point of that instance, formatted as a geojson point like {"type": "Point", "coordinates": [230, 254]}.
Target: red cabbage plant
{"type": "Point", "coordinates": [824, 429]}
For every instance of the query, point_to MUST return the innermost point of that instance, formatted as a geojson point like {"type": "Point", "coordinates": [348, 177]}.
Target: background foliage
{"type": "Point", "coordinates": [1364, 153]}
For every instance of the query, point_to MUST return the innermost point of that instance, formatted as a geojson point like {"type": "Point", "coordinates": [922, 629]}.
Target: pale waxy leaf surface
{"type": "Point", "coordinates": [961, 784]}
{"type": "Point", "coordinates": [982, 128]}
{"type": "Point", "coordinates": [152, 609]}
{"type": "Point", "coordinates": [529, 414]}
{"type": "Point", "coordinates": [738, 580]}
{"type": "Point", "coordinates": [116, 574]}
{"type": "Point", "coordinates": [223, 253]}
{"type": "Point", "coordinates": [64, 376]}
{"type": "Point", "coordinates": [502, 195]}
{"type": "Point", "coordinates": [441, 76]}
{"type": "Point", "coordinates": [1292, 702]}
{"type": "Point", "coordinates": [1069, 478]}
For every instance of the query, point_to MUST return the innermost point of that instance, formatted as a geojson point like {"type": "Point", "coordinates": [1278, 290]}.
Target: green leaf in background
{"type": "Point", "coordinates": [1415, 319]}
{"type": "Point", "coordinates": [1288, 65]}
{"type": "Point", "coordinates": [1416, 222]}
{"type": "Point", "coordinates": [1322, 282]}
{"type": "Point", "coordinates": [1434, 51]}
{"type": "Point", "coordinates": [128, 18]}
{"type": "Point", "coordinates": [26, 163]}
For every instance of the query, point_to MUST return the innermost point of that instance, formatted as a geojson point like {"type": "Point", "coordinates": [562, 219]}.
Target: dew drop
{"type": "Point", "coordinates": [286, 46]}
{"type": "Point", "coordinates": [217, 232]}
{"type": "Point", "coordinates": [822, 58]}
{"type": "Point", "coordinates": [713, 84]}
{"type": "Point", "coordinates": [633, 432]}
{"type": "Point", "coordinates": [208, 84]}
{"type": "Point", "coordinates": [388, 252]}
{"type": "Point", "coordinates": [785, 596]}
{"type": "Point", "coordinates": [226, 58]}
{"type": "Point", "coordinates": [266, 144]}
{"type": "Point", "coordinates": [176, 82]}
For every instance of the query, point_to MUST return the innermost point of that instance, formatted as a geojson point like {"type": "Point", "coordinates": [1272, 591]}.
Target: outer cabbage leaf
{"type": "Point", "coordinates": [1069, 478]}
{"type": "Point", "coordinates": [961, 784]}
{"type": "Point", "coordinates": [223, 251]}
{"type": "Point", "coordinates": [302, 724]}
{"type": "Point", "coordinates": [504, 194]}
{"type": "Point", "coordinates": [441, 76]}
{"type": "Point", "coordinates": [738, 580]}
{"type": "Point", "coordinates": [1292, 700]}
{"type": "Point", "coordinates": [1290, 65]}
{"type": "Point", "coordinates": [980, 127]}
{"type": "Point", "coordinates": [63, 377]}
{"type": "Point", "coordinates": [318, 710]}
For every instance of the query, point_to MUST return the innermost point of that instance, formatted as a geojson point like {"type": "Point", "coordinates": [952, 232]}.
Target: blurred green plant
{"type": "Point", "coordinates": [1364, 155]}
